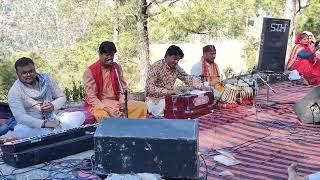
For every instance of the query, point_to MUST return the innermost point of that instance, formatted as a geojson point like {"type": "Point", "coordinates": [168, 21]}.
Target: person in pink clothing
{"type": "Point", "coordinates": [303, 59]}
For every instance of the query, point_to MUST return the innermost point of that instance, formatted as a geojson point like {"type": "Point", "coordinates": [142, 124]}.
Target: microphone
{"type": "Point", "coordinates": [110, 62]}
{"type": "Point", "coordinates": [253, 72]}
{"type": "Point", "coordinates": [202, 78]}
{"type": "Point", "coordinates": [316, 44]}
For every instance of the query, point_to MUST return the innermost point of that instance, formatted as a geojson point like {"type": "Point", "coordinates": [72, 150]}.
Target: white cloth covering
{"type": "Point", "coordinates": [156, 107]}
{"type": "Point", "coordinates": [315, 176]}
{"type": "Point", "coordinates": [294, 75]}
{"type": "Point", "coordinates": [68, 120]}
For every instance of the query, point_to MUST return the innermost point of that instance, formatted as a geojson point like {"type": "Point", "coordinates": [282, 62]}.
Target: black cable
{"type": "Point", "coordinates": [63, 169]}
{"type": "Point", "coordinates": [13, 173]}
{"type": "Point", "coordinates": [253, 141]}
{"type": "Point", "coordinates": [92, 169]}
{"type": "Point", "coordinates": [205, 164]}
{"type": "Point", "coordinates": [242, 145]}
{"type": "Point", "coordinates": [56, 170]}
{"type": "Point", "coordinates": [279, 125]}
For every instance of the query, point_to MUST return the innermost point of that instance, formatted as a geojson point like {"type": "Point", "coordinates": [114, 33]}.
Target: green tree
{"type": "Point", "coordinates": [41, 64]}
{"type": "Point", "coordinates": [7, 78]}
{"type": "Point", "coordinates": [309, 19]}
{"type": "Point", "coordinates": [211, 18]}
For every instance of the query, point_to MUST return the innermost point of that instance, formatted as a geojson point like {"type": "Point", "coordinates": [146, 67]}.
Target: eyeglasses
{"type": "Point", "coordinates": [28, 73]}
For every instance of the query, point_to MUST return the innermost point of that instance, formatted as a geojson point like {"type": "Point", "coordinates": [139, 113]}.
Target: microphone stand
{"type": "Point", "coordinates": [202, 79]}
{"type": "Point", "coordinates": [268, 103]}
{"type": "Point", "coordinates": [125, 103]}
{"type": "Point", "coordinates": [124, 92]}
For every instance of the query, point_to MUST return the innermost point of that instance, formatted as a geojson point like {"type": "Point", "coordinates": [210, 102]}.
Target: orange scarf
{"type": "Point", "coordinates": [206, 72]}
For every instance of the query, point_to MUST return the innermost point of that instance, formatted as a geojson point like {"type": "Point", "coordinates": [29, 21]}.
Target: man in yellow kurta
{"type": "Point", "coordinates": [102, 87]}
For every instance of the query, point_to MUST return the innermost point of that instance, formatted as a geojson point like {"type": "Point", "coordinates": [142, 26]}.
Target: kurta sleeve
{"type": "Point", "coordinates": [59, 98]}
{"type": "Point", "coordinates": [151, 87]}
{"type": "Point", "coordinates": [19, 112]}
{"type": "Point", "coordinates": [184, 77]}
{"type": "Point", "coordinates": [91, 89]}
{"type": "Point", "coordinates": [196, 71]}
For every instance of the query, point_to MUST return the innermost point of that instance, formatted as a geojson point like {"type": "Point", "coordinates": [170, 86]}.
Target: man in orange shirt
{"type": "Point", "coordinates": [102, 87]}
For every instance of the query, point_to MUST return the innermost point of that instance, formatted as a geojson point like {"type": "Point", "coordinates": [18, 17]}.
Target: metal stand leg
{"type": "Point", "coordinates": [269, 103]}
{"type": "Point", "coordinates": [254, 99]}
{"type": "Point", "coordinates": [123, 92]}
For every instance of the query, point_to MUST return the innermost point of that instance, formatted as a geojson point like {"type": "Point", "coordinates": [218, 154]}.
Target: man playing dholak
{"type": "Point", "coordinates": [161, 78]}
{"type": "Point", "coordinates": [103, 97]}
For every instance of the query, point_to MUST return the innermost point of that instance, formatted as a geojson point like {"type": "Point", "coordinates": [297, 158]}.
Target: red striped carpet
{"type": "Point", "coordinates": [265, 142]}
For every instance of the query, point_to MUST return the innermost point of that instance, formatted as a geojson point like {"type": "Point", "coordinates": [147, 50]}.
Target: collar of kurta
{"type": "Point", "coordinates": [96, 70]}
{"type": "Point", "coordinates": [206, 72]}
{"type": "Point", "coordinates": [166, 66]}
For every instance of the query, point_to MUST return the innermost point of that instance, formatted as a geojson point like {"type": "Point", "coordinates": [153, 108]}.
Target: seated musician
{"type": "Point", "coordinates": [303, 58]}
{"type": "Point", "coordinates": [206, 68]}
{"type": "Point", "coordinates": [161, 78]}
{"type": "Point", "coordinates": [35, 100]}
{"type": "Point", "coordinates": [103, 97]}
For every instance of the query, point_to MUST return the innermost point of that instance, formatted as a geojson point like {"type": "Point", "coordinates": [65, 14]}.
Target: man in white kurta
{"type": "Point", "coordinates": [206, 69]}
{"type": "Point", "coordinates": [35, 100]}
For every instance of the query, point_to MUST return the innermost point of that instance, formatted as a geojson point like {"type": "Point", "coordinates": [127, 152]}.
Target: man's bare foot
{"type": "Point", "coordinates": [292, 168]}
{"type": "Point", "coordinates": [292, 172]}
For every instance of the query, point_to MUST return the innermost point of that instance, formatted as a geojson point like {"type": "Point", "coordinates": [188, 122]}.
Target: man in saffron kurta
{"type": "Point", "coordinates": [103, 97]}
{"type": "Point", "coordinates": [206, 69]}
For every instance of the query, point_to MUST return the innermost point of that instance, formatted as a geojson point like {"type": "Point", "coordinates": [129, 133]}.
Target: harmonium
{"type": "Point", "coordinates": [188, 105]}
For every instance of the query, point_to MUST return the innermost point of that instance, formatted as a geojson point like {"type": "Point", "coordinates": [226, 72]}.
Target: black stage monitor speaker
{"type": "Point", "coordinates": [308, 108]}
{"type": "Point", "coordinates": [161, 146]}
{"type": "Point", "coordinates": [273, 44]}
{"type": "Point", "coordinates": [5, 112]}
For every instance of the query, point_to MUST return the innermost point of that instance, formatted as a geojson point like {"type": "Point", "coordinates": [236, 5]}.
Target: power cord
{"type": "Point", "coordinates": [205, 164]}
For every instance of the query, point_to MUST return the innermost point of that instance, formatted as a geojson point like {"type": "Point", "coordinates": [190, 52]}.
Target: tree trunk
{"type": "Point", "coordinates": [142, 27]}
{"type": "Point", "coordinates": [116, 30]}
{"type": "Point", "coordinates": [290, 13]}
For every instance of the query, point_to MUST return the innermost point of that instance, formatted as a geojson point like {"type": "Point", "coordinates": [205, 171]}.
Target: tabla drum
{"type": "Point", "coordinates": [230, 93]}
{"type": "Point", "coordinates": [245, 92]}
